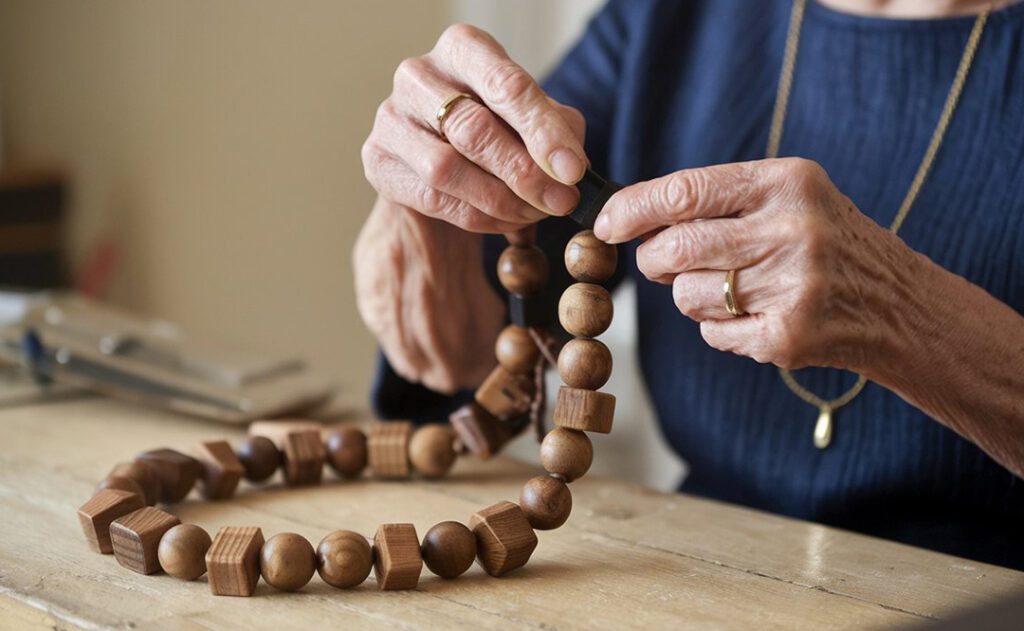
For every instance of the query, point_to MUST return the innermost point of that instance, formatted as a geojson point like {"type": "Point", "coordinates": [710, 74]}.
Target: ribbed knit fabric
{"type": "Point", "coordinates": [676, 84]}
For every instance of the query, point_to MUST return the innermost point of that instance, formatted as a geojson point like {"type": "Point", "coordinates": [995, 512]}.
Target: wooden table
{"type": "Point", "coordinates": [628, 557]}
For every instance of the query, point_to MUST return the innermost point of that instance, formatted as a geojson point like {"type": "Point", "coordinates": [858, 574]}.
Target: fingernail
{"type": "Point", "coordinates": [566, 165]}
{"type": "Point", "coordinates": [560, 199]}
{"type": "Point", "coordinates": [603, 227]}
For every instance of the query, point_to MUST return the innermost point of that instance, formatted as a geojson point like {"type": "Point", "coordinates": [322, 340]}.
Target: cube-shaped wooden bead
{"type": "Point", "coordinates": [584, 410]}
{"type": "Point", "coordinates": [397, 559]}
{"type": "Point", "coordinates": [505, 394]}
{"type": "Point", "coordinates": [387, 447]}
{"type": "Point", "coordinates": [233, 561]}
{"type": "Point", "coordinates": [177, 472]}
{"type": "Point", "coordinates": [135, 538]}
{"type": "Point", "coordinates": [103, 508]}
{"type": "Point", "coordinates": [504, 538]}
{"type": "Point", "coordinates": [480, 431]}
{"type": "Point", "coordinates": [304, 456]}
{"type": "Point", "coordinates": [221, 469]}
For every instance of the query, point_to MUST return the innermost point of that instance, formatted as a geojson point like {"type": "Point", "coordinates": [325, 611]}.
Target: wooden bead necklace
{"type": "Point", "coordinates": [121, 517]}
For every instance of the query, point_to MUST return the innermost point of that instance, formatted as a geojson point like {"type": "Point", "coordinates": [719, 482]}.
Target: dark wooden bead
{"type": "Point", "coordinates": [177, 472]}
{"type": "Point", "coordinates": [505, 394]}
{"type": "Point", "coordinates": [121, 483]}
{"type": "Point", "coordinates": [546, 501]}
{"type": "Point", "coordinates": [567, 453]}
{"type": "Point", "coordinates": [584, 409]}
{"type": "Point", "coordinates": [146, 476]}
{"type": "Point", "coordinates": [585, 363]}
{"type": "Point", "coordinates": [135, 538]}
{"type": "Point", "coordinates": [432, 450]}
{"type": "Point", "coordinates": [449, 549]}
{"type": "Point", "coordinates": [590, 260]}
{"type": "Point", "coordinates": [346, 451]}
{"type": "Point", "coordinates": [515, 349]}
{"type": "Point", "coordinates": [504, 538]}
{"type": "Point", "coordinates": [287, 561]}
{"type": "Point", "coordinates": [221, 469]}
{"type": "Point", "coordinates": [481, 432]}
{"type": "Point", "coordinates": [260, 458]}
{"type": "Point", "coordinates": [585, 310]}
{"type": "Point", "coordinates": [527, 311]}
{"type": "Point", "coordinates": [182, 551]}
{"type": "Point", "coordinates": [303, 457]}
{"type": "Point", "coordinates": [96, 515]}
{"type": "Point", "coordinates": [344, 559]}
{"type": "Point", "coordinates": [523, 270]}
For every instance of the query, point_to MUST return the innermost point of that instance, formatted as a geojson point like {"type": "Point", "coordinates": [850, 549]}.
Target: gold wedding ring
{"type": "Point", "coordinates": [730, 298]}
{"type": "Point", "coordinates": [446, 109]}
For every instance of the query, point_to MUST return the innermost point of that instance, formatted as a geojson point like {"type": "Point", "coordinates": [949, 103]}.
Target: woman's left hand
{"type": "Point", "coordinates": [820, 282]}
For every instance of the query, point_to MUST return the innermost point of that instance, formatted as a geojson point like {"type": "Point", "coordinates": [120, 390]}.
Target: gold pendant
{"type": "Point", "coordinates": [823, 428]}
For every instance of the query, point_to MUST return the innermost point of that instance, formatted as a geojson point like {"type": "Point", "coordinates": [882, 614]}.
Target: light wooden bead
{"type": "Point", "coordinates": [346, 451]}
{"type": "Point", "coordinates": [585, 363]}
{"type": "Point", "coordinates": [182, 551]}
{"type": "Point", "coordinates": [177, 472]}
{"type": "Point", "coordinates": [448, 549]}
{"type": "Point", "coordinates": [516, 351]}
{"type": "Point", "coordinates": [287, 561]}
{"type": "Point", "coordinates": [260, 458]}
{"type": "Point", "coordinates": [136, 536]}
{"type": "Point", "coordinates": [146, 476]}
{"type": "Point", "coordinates": [100, 510]}
{"type": "Point", "coordinates": [504, 538]}
{"type": "Point", "coordinates": [432, 450]}
{"type": "Point", "coordinates": [221, 469]}
{"type": "Point", "coordinates": [121, 483]}
{"type": "Point", "coordinates": [344, 559]}
{"type": "Point", "coordinates": [303, 457]}
{"type": "Point", "coordinates": [585, 310]}
{"type": "Point", "coordinates": [523, 270]}
{"type": "Point", "coordinates": [388, 448]}
{"type": "Point", "coordinates": [584, 409]}
{"type": "Point", "coordinates": [505, 394]}
{"type": "Point", "coordinates": [397, 560]}
{"type": "Point", "coordinates": [546, 501]}
{"type": "Point", "coordinates": [567, 453]}
{"type": "Point", "coordinates": [590, 260]}
{"type": "Point", "coordinates": [233, 561]}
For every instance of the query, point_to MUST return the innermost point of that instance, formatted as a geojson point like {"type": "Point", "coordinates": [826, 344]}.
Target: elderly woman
{"type": "Point", "coordinates": [888, 242]}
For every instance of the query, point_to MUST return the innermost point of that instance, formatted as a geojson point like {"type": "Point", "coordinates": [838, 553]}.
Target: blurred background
{"type": "Point", "coordinates": [205, 155]}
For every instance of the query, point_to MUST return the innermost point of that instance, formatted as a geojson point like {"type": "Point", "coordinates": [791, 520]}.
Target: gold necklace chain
{"type": "Point", "coordinates": [823, 427]}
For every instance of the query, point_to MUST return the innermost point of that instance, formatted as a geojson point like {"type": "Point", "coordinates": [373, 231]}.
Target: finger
{"type": "Point", "coordinates": [746, 335]}
{"type": "Point", "coordinates": [715, 191]}
{"type": "Point", "coordinates": [475, 59]}
{"type": "Point", "coordinates": [700, 294]}
{"type": "Point", "coordinates": [718, 244]}
{"type": "Point", "coordinates": [573, 117]}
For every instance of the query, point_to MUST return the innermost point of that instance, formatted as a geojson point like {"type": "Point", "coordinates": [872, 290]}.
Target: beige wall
{"type": "Point", "coordinates": [218, 141]}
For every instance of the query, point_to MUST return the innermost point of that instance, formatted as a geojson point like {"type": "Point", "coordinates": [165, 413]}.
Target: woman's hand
{"type": "Point", "coordinates": [817, 278]}
{"type": "Point", "coordinates": [502, 159]}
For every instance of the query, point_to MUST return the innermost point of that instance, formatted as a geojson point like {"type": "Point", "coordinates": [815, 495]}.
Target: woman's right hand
{"type": "Point", "coordinates": [505, 162]}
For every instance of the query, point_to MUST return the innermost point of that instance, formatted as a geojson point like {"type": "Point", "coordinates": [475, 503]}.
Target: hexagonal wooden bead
{"type": "Point", "coordinates": [233, 561]}
{"type": "Point", "coordinates": [567, 453]}
{"type": "Point", "coordinates": [590, 260]}
{"type": "Point", "coordinates": [135, 538]}
{"type": "Point", "coordinates": [480, 431]}
{"type": "Point", "coordinates": [398, 562]}
{"type": "Point", "coordinates": [346, 451]}
{"type": "Point", "coordinates": [505, 394]}
{"type": "Point", "coordinates": [221, 469]}
{"type": "Point", "coordinates": [100, 510]}
{"type": "Point", "coordinates": [387, 446]}
{"type": "Point", "coordinates": [523, 270]}
{"type": "Point", "coordinates": [144, 474]}
{"type": "Point", "coordinates": [584, 363]}
{"type": "Point", "coordinates": [585, 310]}
{"type": "Point", "coordinates": [303, 454]}
{"type": "Point", "coordinates": [547, 502]}
{"type": "Point", "coordinates": [504, 538]}
{"type": "Point", "coordinates": [182, 551]}
{"type": "Point", "coordinates": [432, 450]}
{"type": "Point", "coordinates": [584, 410]}
{"type": "Point", "coordinates": [260, 458]}
{"type": "Point", "coordinates": [516, 350]}
{"type": "Point", "coordinates": [177, 472]}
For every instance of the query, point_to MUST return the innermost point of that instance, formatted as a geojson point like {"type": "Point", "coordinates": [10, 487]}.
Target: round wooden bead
{"type": "Point", "coordinates": [182, 551]}
{"type": "Point", "coordinates": [523, 270]}
{"type": "Point", "coordinates": [287, 561]}
{"type": "Point", "coordinates": [344, 559]}
{"type": "Point", "coordinates": [547, 502]}
{"type": "Point", "coordinates": [449, 549]}
{"type": "Point", "coordinates": [121, 483]}
{"type": "Point", "coordinates": [515, 349]}
{"type": "Point", "coordinates": [346, 451]}
{"type": "Point", "coordinates": [585, 363]}
{"type": "Point", "coordinates": [590, 260]}
{"type": "Point", "coordinates": [567, 453]}
{"type": "Point", "coordinates": [432, 450]}
{"type": "Point", "coordinates": [585, 310]}
{"type": "Point", "coordinates": [145, 475]}
{"type": "Point", "coordinates": [260, 457]}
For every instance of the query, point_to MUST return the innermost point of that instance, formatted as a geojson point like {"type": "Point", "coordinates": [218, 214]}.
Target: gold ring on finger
{"type": "Point", "coordinates": [730, 298]}
{"type": "Point", "coordinates": [446, 108]}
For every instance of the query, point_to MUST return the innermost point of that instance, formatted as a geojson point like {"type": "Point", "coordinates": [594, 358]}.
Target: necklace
{"type": "Point", "coordinates": [827, 407]}
{"type": "Point", "coordinates": [121, 517]}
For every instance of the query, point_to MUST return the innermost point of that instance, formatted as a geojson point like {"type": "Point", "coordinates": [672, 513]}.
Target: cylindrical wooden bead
{"type": "Point", "coordinates": [432, 450]}
{"type": "Point", "coordinates": [346, 451]}
{"type": "Point", "coordinates": [387, 447]}
{"type": "Point", "coordinates": [567, 453]}
{"type": "Point", "coordinates": [259, 457]}
{"type": "Point", "coordinates": [515, 349]}
{"type": "Point", "coordinates": [344, 559]}
{"type": "Point", "coordinates": [590, 260]}
{"type": "Point", "coordinates": [449, 548]}
{"type": "Point", "coordinates": [287, 561]}
{"type": "Point", "coordinates": [182, 551]}
{"type": "Point", "coordinates": [145, 475]}
{"type": "Point", "coordinates": [587, 410]}
{"type": "Point", "coordinates": [585, 310]}
{"type": "Point", "coordinates": [546, 501]}
{"type": "Point", "coordinates": [585, 363]}
{"type": "Point", "coordinates": [523, 270]}
{"type": "Point", "coordinates": [121, 483]}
